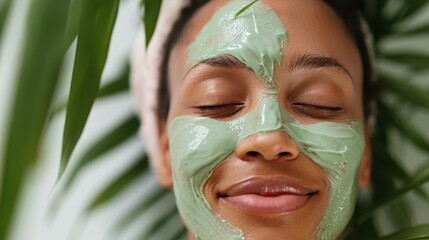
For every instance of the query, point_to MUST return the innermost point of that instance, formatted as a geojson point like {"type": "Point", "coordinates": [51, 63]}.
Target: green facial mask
{"type": "Point", "coordinates": [255, 37]}
{"type": "Point", "coordinates": [198, 144]}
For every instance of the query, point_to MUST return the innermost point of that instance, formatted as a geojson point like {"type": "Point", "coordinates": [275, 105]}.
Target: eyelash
{"type": "Point", "coordinates": [318, 111]}
{"type": "Point", "coordinates": [318, 107]}
{"type": "Point", "coordinates": [223, 110]}
{"type": "Point", "coordinates": [227, 110]}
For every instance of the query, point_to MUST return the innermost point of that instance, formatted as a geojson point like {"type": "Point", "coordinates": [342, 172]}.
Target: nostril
{"type": "Point", "coordinates": [285, 154]}
{"type": "Point", "coordinates": [275, 145]}
{"type": "Point", "coordinates": [253, 153]}
{"type": "Point", "coordinates": [256, 154]}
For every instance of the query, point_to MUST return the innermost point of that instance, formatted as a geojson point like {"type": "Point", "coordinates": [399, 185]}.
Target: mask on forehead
{"type": "Point", "coordinates": [255, 37]}
{"type": "Point", "coordinates": [198, 145]}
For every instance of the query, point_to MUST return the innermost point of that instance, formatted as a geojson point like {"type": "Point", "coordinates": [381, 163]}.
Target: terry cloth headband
{"type": "Point", "coordinates": [146, 75]}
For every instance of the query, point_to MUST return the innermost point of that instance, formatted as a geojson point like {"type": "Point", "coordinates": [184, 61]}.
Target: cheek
{"type": "Point", "coordinates": [197, 146]}
{"type": "Point", "coordinates": [338, 148]}
{"type": "Point", "coordinates": [176, 73]}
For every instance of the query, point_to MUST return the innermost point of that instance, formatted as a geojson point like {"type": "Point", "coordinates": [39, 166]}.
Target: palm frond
{"type": "Point", "coordinates": [119, 84]}
{"type": "Point", "coordinates": [4, 9]}
{"type": "Point", "coordinates": [150, 17]}
{"type": "Point", "coordinates": [404, 126]}
{"type": "Point", "coordinates": [402, 88]}
{"type": "Point", "coordinates": [119, 184]}
{"type": "Point", "coordinates": [107, 142]}
{"type": "Point", "coordinates": [390, 180]}
{"type": "Point", "coordinates": [418, 232]}
{"type": "Point", "coordinates": [156, 225]}
{"type": "Point", "coordinates": [417, 31]}
{"type": "Point", "coordinates": [74, 18]}
{"type": "Point", "coordinates": [32, 100]}
{"type": "Point", "coordinates": [91, 54]}
{"type": "Point", "coordinates": [419, 178]}
{"type": "Point", "coordinates": [412, 60]}
{"type": "Point", "coordinates": [135, 212]}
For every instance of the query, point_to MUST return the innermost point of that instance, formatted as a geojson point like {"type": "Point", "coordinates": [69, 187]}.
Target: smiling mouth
{"type": "Point", "coordinates": [267, 195]}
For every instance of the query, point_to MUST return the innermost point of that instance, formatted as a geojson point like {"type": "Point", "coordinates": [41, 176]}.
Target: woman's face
{"type": "Point", "coordinates": [265, 129]}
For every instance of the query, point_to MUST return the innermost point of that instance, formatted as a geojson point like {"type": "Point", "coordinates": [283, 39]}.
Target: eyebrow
{"type": "Point", "coordinates": [313, 61]}
{"type": "Point", "coordinates": [224, 61]}
{"type": "Point", "coordinates": [304, 61]}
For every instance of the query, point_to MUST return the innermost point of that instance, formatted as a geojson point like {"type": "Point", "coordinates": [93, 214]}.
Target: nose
{"type": "Point", "coordinates": [276, 145]}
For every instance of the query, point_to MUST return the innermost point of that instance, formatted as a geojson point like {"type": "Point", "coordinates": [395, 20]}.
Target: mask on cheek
{"type": "Point", "coordinates": [199, 144]}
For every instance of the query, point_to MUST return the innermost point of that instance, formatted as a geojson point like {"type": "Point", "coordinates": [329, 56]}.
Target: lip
{"type": "Point", "coordinates": [268, 195]}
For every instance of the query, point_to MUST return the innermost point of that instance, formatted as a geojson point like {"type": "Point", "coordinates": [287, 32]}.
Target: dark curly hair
{"type": "Point", "coordinates": [349, 11]}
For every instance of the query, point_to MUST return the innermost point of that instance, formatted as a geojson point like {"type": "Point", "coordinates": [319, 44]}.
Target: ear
{"type": "Point", "coordinates": [365, 167]}
{"type": "Point", "coordinates": [163, 172]}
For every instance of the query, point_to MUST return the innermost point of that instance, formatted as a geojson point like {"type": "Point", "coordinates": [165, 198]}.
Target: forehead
{"type": "Point", "coordinates": [312, 28]}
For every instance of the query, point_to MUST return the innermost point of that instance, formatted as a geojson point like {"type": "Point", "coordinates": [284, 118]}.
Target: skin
{"type": "Point", "coordinates": [313, 28]}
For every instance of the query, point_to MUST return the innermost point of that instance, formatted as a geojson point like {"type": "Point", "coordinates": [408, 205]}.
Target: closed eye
{"type": "Point", "coordinates": [219, 111]}
{"type": "Point", "coordinates": [318, 111]}
{"type": "Point", "coordinates": [318, 107]}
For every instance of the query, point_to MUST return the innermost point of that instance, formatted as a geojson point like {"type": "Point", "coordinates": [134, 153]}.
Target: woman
{"type": "Point", "coordinates": [263, 115]}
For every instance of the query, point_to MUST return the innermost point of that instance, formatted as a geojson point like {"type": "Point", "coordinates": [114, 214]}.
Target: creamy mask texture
{"type": "Point", "coordinates": [255, 37]}
{"type": "Point", "coordinates": [198, 144]}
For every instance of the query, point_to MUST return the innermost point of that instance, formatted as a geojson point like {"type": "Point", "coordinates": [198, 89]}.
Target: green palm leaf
{"type": "Point", "coordinates": [150, 17]}
{"type": "Point", "coordinates": [135, 212]}
{"type": "Point", "coordinates": [402, 89]}
{"type": "Point", "coordinates": [414, 31]}
{"type": "Point", "coordinates": [4, 9]}
{"type": "Point", "coordinates": [181, 235]}
{"type": "Point", "coordinates": [92, 48]}
{"type": "Point", "coordinates": [397, 172]}
{"type": "Point", "coordinates": [118, 85]}
{"type": "Point", "coordinates": [123, 131]}
{"type": "Point", "coordinates": [406, 10]}
{"type": "Point", "coordinates": [73, 20]}
{"type": "Point", "coordinates": [156, 225]}
{"type": "Point", "coordinates": [39, 69]}
{"type": "Point", "coordinates": [413, 60]}
{"type": "Point", "coordinates": [119, 184]}
{"type": "Point", "coordinates": [399, 213]}
{"type": "Point", "coordinates": [117, 136]}
{"type": "Point", "coordinates": [404, 126]}
{"type": "Point", "coordinates": [413, 233]}
{"type": "Point", "coordinates": [418, 179]}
